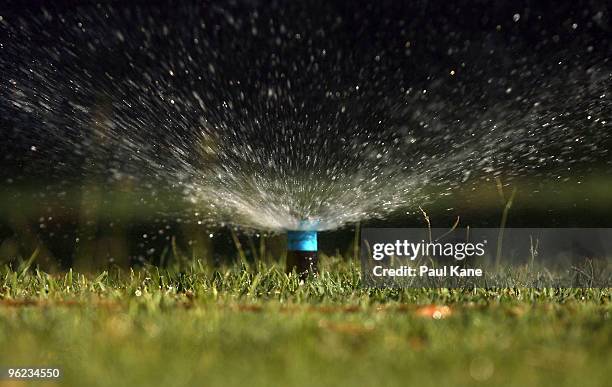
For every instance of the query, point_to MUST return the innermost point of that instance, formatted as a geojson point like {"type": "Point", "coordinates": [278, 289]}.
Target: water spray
{"type": "Point", "coordinates": [302, 252]}
{"type": "Point", "coordinates": [273, 152]}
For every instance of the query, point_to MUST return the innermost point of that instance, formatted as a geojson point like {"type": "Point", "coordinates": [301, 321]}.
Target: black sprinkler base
{"type": "Point", "coordinates": [305, 263]}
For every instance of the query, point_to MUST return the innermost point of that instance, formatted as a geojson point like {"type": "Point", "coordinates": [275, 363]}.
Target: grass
{"type": "Point", "coordinates": [257, 326]}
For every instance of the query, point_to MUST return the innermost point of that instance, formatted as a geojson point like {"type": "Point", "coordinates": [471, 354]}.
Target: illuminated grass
{"type": "Point", "coordinates": [257, 326]}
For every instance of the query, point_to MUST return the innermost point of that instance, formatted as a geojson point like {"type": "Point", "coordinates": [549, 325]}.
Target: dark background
{"type": "Point", "coordinates": [61, 199]}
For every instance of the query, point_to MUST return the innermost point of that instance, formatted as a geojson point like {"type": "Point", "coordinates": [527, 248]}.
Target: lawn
{"type": "Point", "coordinates": [256, 326]}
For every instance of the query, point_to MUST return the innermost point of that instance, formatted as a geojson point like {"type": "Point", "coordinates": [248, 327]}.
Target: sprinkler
{"type": "Point", "coordinates": [302, 252]}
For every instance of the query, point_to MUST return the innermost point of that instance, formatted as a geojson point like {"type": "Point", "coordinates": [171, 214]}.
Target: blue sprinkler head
{"type": "Point", "coordinates": [302, 253]}
{"type": "Point", "coordinates": [302, 240]}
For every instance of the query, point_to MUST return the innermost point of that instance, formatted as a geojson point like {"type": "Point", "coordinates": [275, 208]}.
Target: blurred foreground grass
{"type": "Point", "coordinates": [256, 326]}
